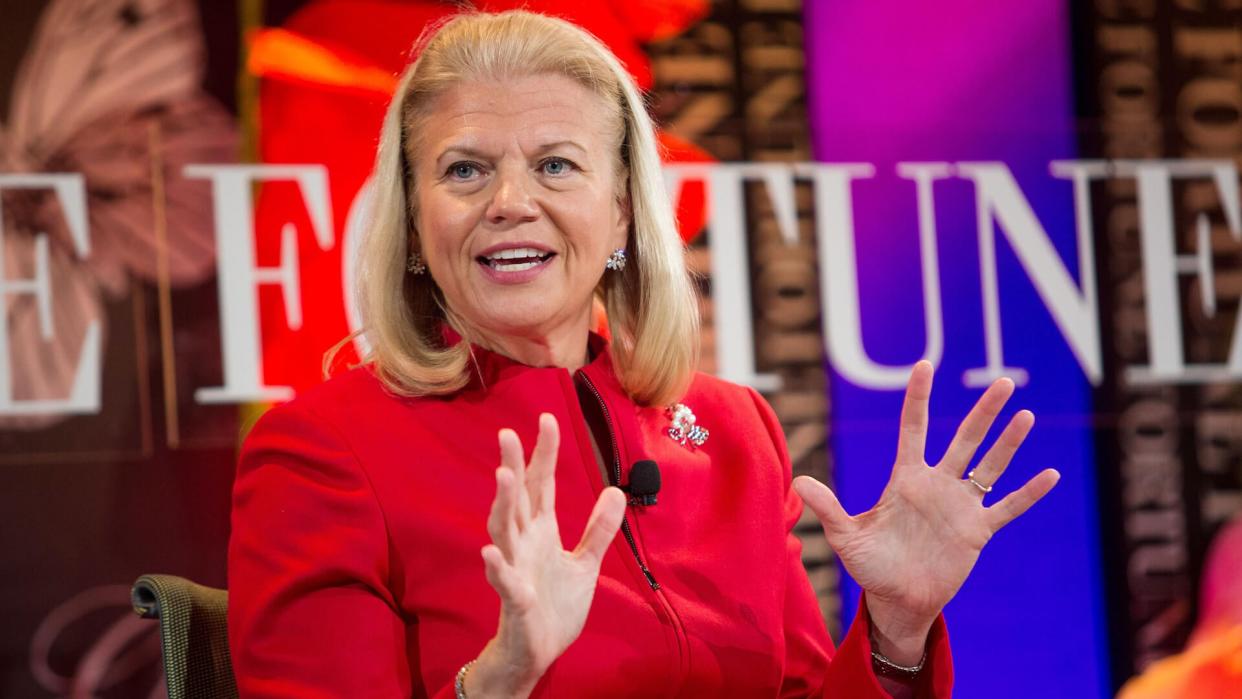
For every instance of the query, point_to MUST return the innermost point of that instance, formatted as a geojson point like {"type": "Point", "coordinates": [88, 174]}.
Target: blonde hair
{"type": "Point", "coordinates": [651, 307]}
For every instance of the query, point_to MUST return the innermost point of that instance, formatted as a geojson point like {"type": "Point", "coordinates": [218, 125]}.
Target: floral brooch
{"type": "Point", "coordinates": [683, 429]}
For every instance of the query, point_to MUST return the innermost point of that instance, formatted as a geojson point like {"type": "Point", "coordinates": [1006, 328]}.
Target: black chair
{"type": "Point", "coordinates": [193, 635]}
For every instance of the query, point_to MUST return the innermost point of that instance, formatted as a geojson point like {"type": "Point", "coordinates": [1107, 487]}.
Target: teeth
{"type": "Point", "coordinates": [514, 253]}
{"type": "Point", "coordinates": [518, 267]}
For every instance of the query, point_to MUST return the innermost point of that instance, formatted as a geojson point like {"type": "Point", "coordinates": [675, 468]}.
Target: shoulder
{"type": "Point", "coordinates": [707, 386]}
{"type": "Point", "coordinates": [741, 405]}
{"type": "Point", "coordinates": [345, 430]}
{"type": "Point", "coordinates": [715, 391]}
{"type": "Point", "coordinates": [348, 398]}
{"type": "Point", "coordinates": [336, 409]}
{"type": "Point", "coordinates": [359, 384]}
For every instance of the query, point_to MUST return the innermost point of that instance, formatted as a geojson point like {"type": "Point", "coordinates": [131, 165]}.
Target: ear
{"type": "Point", "coordinates": [625, 216]}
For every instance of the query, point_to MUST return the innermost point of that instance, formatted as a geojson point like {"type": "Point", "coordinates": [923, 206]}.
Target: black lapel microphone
{"type": "Point", "coordinates": [644, 482]}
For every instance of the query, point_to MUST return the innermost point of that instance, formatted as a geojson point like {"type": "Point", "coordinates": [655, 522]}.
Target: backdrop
{"type": "Point", "coordinates": [1045, 190]}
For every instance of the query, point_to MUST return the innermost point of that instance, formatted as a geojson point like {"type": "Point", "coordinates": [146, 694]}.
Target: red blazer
{"type": "Point", "coordinates": [358, 516]}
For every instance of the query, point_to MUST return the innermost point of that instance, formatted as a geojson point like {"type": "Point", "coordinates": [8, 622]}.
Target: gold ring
{"type": "Point", "coordinates": [985, 489]}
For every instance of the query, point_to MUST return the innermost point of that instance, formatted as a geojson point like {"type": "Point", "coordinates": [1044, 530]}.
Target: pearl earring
{"type": "Point", "coordinates": [616, 261]}
{"type": "Point", "coordinates": [414, 265]}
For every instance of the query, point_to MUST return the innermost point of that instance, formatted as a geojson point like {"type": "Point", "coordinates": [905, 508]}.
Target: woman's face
{"type": "Point", "coordinates": [517, 209]}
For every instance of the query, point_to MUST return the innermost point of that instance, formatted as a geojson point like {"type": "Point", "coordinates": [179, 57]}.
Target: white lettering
{"type": "Point", "coordinates": [1075, 310]}
{"type": "Point", "coordinates": [1162, 265]}
{"type": "Point", "coordinates": [83, 397]}
{"type": "Point", "coordinates": [238, 276]}
{"type": "Point", "coordinates": [735, 337]}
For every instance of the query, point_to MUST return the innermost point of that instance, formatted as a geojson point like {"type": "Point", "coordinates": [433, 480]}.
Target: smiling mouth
{"type": "Point", "coordinates": [515, 259]}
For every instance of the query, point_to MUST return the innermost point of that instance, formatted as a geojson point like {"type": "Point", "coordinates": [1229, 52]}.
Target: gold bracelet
{"type": "Point", "coordinates": [460, 684]}
{"type": "Point", "coordinates": [888, 668]}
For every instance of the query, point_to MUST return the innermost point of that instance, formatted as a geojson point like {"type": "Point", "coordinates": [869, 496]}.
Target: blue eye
{"type": "Point", "coordinates": [556, 166]}
{"type": "Point", "coordinates": [462, 170]}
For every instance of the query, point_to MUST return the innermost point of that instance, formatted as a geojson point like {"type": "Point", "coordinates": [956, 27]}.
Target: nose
{"type": "Point", "coordinates": [511, 202]}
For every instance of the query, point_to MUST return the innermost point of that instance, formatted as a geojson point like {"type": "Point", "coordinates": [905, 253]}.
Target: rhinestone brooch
{"type": "Point", "coordinates": [683, 429]}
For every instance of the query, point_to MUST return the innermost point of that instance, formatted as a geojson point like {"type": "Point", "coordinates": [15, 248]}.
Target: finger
{"type": "Point", "coordinates": [541, 478]}
{"type": "Point", "coordinates": [503, 577]}
{"type": "Point", "coordinates": [500, 521]}
{"type": "Point", "coordinates": [974, 428]}
{"type": "Point", "coordinates": [1014, 504]}
{"type": "Point", "coordinates": [912, 439]}
{"type": "Point", "coordinates": [824, 503]}
{"type": "Point", "coordinates": [513, 459]}
{"type": "Point", "coordinates": [996, 460]}
{"type": "Point", "coordinates": [602, 527]}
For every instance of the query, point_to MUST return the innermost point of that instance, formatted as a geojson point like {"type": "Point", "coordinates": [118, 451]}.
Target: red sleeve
{"type": "Point", "coordinates": [310, 609]}
{"type": "Point", "coordinates": [813, 667]}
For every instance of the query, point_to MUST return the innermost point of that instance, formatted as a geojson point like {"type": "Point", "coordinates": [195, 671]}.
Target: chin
{"type": "Point", "coordinates": [518, 322]}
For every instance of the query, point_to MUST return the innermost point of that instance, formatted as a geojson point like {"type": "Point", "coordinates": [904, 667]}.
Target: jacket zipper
{"type": "Point", "coordinates": [616, 479]}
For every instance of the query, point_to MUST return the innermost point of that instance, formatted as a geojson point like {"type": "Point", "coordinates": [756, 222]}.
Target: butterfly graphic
{"type": "Point", "coordinates": [109, 89]}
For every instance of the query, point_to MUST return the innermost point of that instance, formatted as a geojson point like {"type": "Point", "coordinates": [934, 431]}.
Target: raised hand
{"type": "Point", "coordinates": [545, 591]}
{"type": "Point", "coordinates": [914, 549]}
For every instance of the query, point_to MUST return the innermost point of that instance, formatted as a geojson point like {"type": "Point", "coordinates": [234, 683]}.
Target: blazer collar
{"type": "Point", "coordinates": [488, 366]}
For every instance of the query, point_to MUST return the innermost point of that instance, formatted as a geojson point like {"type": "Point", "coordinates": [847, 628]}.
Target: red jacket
{"type": "Point", "coordinates": [358, 516]}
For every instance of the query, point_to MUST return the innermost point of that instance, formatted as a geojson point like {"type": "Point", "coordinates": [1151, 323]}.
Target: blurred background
{"type": "Point", "coordinates": [1042, 189]}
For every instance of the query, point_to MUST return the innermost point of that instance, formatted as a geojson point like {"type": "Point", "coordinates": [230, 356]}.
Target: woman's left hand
{"type": "Point", "coordinates": [913, 550]}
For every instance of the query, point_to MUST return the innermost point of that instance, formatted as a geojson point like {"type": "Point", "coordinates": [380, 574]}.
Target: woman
{"type": "Point", "coordinates": [518, 178]}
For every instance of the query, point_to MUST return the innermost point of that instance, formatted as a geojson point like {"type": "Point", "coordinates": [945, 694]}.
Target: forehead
{"type": "Point", "coordinates": [531, 111]}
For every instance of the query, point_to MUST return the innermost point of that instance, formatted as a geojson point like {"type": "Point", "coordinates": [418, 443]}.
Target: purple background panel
{"type": "Point", "coordinates": [967, 81]}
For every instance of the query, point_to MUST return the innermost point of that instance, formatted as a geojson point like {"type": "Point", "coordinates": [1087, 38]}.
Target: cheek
{"type": "Point", "coordinates": [592, 227]}
{"type": "Point", "coordinates": [443, 227]}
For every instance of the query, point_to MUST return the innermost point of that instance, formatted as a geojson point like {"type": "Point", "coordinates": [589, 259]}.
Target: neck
{"type": "Point", "coordinates": [564, 347]}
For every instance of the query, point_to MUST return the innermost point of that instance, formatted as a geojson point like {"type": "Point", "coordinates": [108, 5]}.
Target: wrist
{"type": "Point", "coordinates": [897, 635]}
{"type": "Point", "coordinates": [496, 673]}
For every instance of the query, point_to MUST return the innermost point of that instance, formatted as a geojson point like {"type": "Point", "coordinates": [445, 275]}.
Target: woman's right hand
{"type": "Point", "coordinates": [545, 591]}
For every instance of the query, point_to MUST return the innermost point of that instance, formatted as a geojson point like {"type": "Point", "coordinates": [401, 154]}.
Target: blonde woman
{"type": "Point", "coordinates": [392, 536]}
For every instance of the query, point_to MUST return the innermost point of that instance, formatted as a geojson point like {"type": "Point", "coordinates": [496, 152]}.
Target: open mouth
{"type": "Point", "coordinates": [515, 259]}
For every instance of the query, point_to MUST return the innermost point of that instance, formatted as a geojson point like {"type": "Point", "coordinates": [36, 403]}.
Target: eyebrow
{"type": "Point", "coordinates": [559, 144]}
{"type": "Point", "coordinates": [469, 152]}
{"type": "Point", "coordinates": [460, 150]}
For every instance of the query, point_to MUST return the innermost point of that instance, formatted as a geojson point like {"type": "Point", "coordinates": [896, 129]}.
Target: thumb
{"type": "Point", "coordinates": [823, 502]}
{"type": "Point", "coordinates": [602, 526]}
